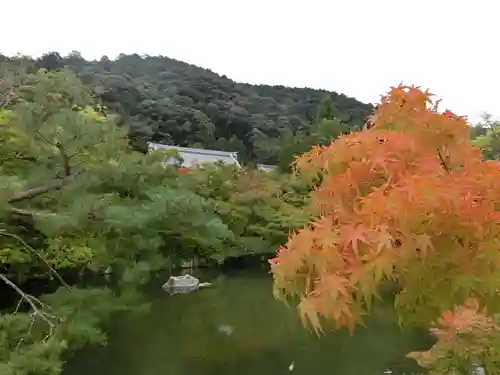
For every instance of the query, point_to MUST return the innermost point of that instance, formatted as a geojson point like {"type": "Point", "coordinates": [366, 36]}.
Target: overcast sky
{"type": "Point", "coordinates": [356, 47]}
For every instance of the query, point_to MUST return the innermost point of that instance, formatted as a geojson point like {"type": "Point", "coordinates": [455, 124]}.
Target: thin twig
{"type": "Point", "coordinates": [36, 307]}
{"type": "Point", "coordinates": [38, 255]}
{"type": "Point", "coordinates": [32, 301]}
{"type": "Point", "coordinates": [18, 305]}
{"type": "Point", "coordinates": [443, 162]}
{"type": "Point", "coordinates": [44, 138]}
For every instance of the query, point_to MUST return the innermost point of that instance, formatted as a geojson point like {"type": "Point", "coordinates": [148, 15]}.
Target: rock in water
{"type": "Point", "coordinates": [225, 329]}
{"type": "Point", "coordinates": [183, 284]}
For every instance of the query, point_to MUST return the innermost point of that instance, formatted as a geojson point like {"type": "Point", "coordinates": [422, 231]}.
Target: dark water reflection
{"type": "Point", "coordinates": [236, 327]}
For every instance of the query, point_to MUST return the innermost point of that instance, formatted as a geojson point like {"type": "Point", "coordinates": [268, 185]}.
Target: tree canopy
{"type": "Point", "coordinates": [168, 101]}
{"type": "Point", "coordinates": [404, 199]}
{"type": "Point", "coordinates": [78, 198]}
{"type": "Point", "coordinates": [408, 200]}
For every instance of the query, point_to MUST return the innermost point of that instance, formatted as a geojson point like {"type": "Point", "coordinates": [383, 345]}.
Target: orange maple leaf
{"type": "Point", "coordinates": [411, 177]}
{"type": "Point", "coordinates": [447, 317]}
{"type": "Point", "coordinates": [353, 235]}
{"type": "Point", "coordinates": [423, 243]}
{"type": "Point", "coordinates": [384, 240]}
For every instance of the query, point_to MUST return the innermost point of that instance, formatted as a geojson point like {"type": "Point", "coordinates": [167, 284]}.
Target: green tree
{"type": "Point", "coordinates": [486, 135]}
{"type": "Point", "coordinates": [326, 110]}
{"type": "Point", "coordinates": [75, 197]}
{"type": "Point", "coordinates": [326, 125]}
{"type": "Point", "coordinates": [168, 101]}
{"type": "Point", "coordinates": [324, 129]}
{"type": "Point", "coordinates": [259, 207]}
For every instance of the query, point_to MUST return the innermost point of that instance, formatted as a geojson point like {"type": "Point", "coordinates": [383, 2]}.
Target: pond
{"type": "Point", "coordinates": [236, 327]}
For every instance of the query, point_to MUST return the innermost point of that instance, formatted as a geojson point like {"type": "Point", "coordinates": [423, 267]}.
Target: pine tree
{"type": "Point", "coordinates": [75, 197]}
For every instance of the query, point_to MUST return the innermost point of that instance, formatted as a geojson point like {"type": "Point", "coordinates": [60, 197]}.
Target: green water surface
{"type": "Point", "coordinates": [236, 327]}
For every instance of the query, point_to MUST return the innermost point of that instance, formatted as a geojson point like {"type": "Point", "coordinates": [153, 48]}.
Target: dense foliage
{"type": "Point", "coordinates": [405, 199]}
{"type": "Point", "coordinates": [260, 208]}
{"type": "Point", "coordinates": [408, 199]}
{"type": "Point", "coordinates": [77, 199]}
{"type": "Point", "coordinates": [171, 102]}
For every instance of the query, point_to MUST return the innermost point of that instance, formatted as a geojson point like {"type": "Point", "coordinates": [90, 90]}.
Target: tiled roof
{"type": "Point", "coordinates": [193, 156]}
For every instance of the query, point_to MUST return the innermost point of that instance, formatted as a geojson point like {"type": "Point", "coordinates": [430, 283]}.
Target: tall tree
{"type": "Point", "coordinates": [326, 110]}
{"type": "Point", "coordinates": [325, 128]}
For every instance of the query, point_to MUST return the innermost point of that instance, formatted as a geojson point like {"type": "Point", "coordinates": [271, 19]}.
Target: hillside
{"type": "Point", "coordinates": [169, 101]}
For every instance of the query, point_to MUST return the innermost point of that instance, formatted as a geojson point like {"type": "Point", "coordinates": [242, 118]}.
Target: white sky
{"type": "Point", "coordinates": [356, 47]}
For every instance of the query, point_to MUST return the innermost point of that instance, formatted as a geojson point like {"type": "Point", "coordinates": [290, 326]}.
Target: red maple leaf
{"type": "Point", "coordinates": [183, 170]}
{"type": "Point", "coordinates": [449, 114]}
{"type": "Point", "coordinates": [448, 317]}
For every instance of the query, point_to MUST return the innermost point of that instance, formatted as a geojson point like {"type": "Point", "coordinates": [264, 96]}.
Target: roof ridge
{"type": "Point", "coordinates": [233, 156]}
{"type": "Point", "coordinates": [195, 150]}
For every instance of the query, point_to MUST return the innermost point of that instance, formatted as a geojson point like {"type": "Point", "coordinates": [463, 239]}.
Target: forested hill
{"type": "Point", "coordinates": [169, 101]}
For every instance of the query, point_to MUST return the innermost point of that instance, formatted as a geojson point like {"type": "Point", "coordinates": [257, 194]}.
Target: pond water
{"type": "Point", "coordinates": [236, 327]}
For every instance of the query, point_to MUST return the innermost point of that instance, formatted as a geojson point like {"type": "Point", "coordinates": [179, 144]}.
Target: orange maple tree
{"type": "Point", "coordinates": [407, 199]}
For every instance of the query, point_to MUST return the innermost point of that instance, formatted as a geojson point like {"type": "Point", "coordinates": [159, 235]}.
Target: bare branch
{"type": "Point", "coordinates": [38, 255]}
{"type": "Point", "coordinates": [44, 138]}
{"type": "Point", "coordinates": [37, 308]}
{"type": "Point", "coordinates": [29, 299]}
